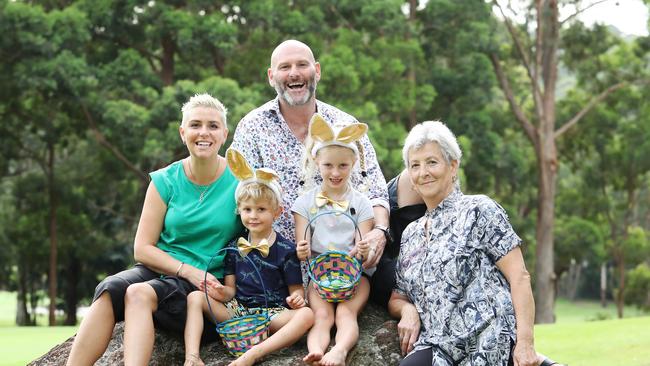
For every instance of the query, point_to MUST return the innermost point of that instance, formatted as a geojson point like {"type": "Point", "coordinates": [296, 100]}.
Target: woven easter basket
{"type": "Point", "coordinates": [334, 274]}
{"type": "Point", "coordinates": [240, 334]}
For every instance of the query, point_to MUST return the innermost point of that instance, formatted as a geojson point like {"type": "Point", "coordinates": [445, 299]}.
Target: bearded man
{"type": "Point", "coordinates": [273, 136]}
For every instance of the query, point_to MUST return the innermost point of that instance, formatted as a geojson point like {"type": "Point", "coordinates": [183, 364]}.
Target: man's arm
{"type": "Point", "coordinates": [378, 195]}
{"type": "Point", "coordinates": [377, 237]}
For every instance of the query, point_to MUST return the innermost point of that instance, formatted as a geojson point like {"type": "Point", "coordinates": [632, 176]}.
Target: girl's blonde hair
{"type": "Point", "coordinates": [309, 166]}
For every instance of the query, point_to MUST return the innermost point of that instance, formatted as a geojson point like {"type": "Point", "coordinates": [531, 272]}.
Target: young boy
{"type": "Point", "coordinates": [258, 199]}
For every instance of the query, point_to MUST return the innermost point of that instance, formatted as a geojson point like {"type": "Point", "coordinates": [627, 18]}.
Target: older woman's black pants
{"type": "Point", "coordinates": [424, 357]}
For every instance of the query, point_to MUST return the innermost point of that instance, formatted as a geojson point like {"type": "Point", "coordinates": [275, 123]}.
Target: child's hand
{"type": "Point", "coordinates": [361, 249]}
{"type": "Point", "coordinates": [296, 301]}
{"type": "Point", "coordinates": [216, 290]}
{"type": "Point", "coordinates": [303, 250]}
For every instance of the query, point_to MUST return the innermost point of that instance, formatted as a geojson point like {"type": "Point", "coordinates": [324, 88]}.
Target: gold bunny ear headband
{"type": "Point", "coordinates": [246, 175]}
{"type": "Point", "coordinates": [324, 135]}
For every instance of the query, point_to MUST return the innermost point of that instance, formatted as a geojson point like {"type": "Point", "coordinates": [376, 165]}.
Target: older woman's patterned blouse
{"type": "Point", "coordinates": [451, 277]}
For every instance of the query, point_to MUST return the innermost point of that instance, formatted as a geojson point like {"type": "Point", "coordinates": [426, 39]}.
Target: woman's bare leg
{"type": "Point", "coordinates": [94, 333]}
{"type": "Point", "coordinates": [140, 303]}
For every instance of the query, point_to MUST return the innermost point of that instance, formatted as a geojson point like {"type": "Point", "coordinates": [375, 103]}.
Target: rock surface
{"type": "Point", "coordinates": [378, 346]}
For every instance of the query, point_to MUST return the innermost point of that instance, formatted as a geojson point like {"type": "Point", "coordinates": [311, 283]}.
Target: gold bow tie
{"type": "Point", "coordinates": [245, 247]}
{"type": "Point", "coordinates": [322, 200]}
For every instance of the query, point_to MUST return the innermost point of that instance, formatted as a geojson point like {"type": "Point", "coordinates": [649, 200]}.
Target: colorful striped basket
{"type": "Point", "coordinates": [334, 274]}
{"type": "Point", "coordinates": [239, 334]}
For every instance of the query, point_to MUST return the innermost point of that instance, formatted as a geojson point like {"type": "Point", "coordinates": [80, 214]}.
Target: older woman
{"type": "Point", "coordinates": [462, 290]}
{"type": "Point", "coordinates": [188, 214]}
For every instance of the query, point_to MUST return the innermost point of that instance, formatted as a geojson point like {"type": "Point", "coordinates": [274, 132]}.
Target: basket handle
{"type": "Point", "coordinates": [205, 278]}
{"type": "Point", "coordinates": [330, 212]}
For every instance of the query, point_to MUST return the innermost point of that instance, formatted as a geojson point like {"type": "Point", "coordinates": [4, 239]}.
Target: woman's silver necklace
{"type": "Point", "coordinates": [204, 188]}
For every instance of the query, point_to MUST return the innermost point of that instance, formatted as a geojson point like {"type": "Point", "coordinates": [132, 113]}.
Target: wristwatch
{"type": "Point", "coordinates": [387, 233]}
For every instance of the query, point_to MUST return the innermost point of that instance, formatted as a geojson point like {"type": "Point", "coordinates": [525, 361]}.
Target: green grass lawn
{"type": "Point", "coordinates": [20, 345]}
{"type": "Point", "coordinates": [576, 339]}
{"type": "Point", "coordinates": [597, 343]}
{"type": "Point", "coordinates": [582, 310]}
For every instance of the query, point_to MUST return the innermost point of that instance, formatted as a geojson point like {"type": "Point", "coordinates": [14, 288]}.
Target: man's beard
{"type": "Point", "coordinates": [283, 92]}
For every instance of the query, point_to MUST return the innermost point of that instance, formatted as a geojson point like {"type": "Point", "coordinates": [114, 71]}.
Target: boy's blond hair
{"type": "Point", "coordinates": [257, 192]}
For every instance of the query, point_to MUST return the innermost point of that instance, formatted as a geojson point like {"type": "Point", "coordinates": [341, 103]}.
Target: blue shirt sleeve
{"type": "Point", "coordinates": [230, 261]}
{"type": "Point", "coordinates": [291, 268]}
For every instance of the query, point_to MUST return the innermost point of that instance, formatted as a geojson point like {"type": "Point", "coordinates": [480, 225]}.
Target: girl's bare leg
{"type": "Point", "coordinates": [319, 336]}
{"type": "Point", "coordinates": [347, 329]}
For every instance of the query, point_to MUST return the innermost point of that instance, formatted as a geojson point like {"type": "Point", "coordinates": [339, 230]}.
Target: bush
{"type": "Point", "coordinates": [637, 291]}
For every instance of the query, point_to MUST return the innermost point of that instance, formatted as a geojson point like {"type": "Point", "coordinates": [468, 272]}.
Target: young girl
{"type": "Point", "coordinates": [259, 202]}
{"type": "Point", "coordinates": [335, 155]}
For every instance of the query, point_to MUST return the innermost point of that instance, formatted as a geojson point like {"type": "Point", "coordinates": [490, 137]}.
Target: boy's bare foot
{"type": "Point", "coordinates": [193, 359]}
{"type": "Point", "coordinates": [313, 357]}
{"type": "Point", "coordinates": [335, 357]}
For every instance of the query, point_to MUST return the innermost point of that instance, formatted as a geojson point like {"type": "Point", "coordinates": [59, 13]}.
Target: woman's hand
{"type": "Point", "coordinates": [303, 250]}
{"type": "Point", "coordinates": [524, 355]}
{"type": "Point", "coordinates": [196, 276]}
{"type": "Point", "coordinates": [408, 328]}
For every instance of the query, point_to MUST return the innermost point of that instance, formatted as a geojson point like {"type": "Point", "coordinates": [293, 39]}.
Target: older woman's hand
{"type": "Point", "coordinates": [524, 355]}
{"type": "Point", "coordinates": [408, 328]}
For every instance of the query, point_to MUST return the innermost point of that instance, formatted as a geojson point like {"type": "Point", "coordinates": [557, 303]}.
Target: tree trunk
{"type": "Point", "coordinates": [22, 316]}
{"type": "Point", "coordinates": [53, 239]}
{"type": "Point", "coordinates": [71, 295]}
{"type": "Point", "coordinates": [218, 61]}
{"type": "Point", "coordinates": [603, 285]}
{"type": "Point", "coordinates": [169, 49]}
{"type": "Point", "coordinates": [575, 273]}
{"type": "Point", "coordinates": [413, 118]}
{"type": "Point", "coordinates": [34, 285]}
{"type": "Point", "coordinates": [544, 267]}
{"type": "Point", "coordinates": [620, 297]}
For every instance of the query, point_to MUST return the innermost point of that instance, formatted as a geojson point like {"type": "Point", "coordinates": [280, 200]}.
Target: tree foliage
{"type": "Point", "coordinates": [91, 94]}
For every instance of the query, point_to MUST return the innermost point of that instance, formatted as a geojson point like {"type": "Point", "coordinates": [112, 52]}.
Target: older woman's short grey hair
{"type": "Point", "coordinates": [204, 100]}
{"type": "Point", "coordinates": [432, 131]}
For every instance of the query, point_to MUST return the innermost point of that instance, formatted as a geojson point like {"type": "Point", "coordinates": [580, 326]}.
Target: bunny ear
{"type": "Point", "coordinates": [352, 133]}
{"type": "Point", "coordinates": [266, 175]}
{"type": "Point", "coordinates": [319, 129]}
{"type": "Point", "coordinates": [238, 165]}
